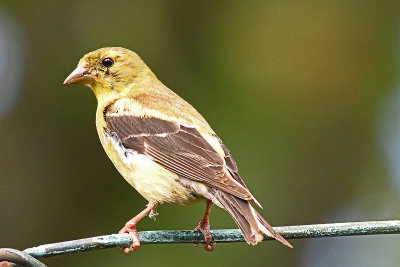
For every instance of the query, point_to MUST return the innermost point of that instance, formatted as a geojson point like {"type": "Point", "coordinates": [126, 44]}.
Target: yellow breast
{"type": "Point", "coordinates": [155, 183]}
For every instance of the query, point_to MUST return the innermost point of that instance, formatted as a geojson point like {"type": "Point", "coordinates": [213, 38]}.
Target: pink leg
{"type": "Point", "coordinates": [204, 227]}
{"type": "Point", "coordinates": [130, 228]}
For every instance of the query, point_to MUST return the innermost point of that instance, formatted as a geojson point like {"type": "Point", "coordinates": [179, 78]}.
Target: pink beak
{"type": "Point", "coordinates": [80, 75]}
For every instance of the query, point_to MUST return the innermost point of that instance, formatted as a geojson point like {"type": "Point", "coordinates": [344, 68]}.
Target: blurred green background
{"type": "Point", "coordinates": [305, 94]}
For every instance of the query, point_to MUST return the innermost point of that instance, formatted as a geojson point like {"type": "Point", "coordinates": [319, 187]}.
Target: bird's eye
{"type": "Point", "coordinates": [107, 62]}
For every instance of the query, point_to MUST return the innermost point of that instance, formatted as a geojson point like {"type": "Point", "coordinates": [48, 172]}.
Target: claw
{"type": "Point", "coordinates": [130, 228]}
{"type": "Point", "coordinates": [204, 227]}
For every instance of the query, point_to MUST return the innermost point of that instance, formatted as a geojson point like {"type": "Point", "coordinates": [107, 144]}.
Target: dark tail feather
{"type": "Point", "coordinates": [274, 234]}
{"type": "Point", "coordinates": [250, 222]}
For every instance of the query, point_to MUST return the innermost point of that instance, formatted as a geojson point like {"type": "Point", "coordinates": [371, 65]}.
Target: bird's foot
{"type": "Point", "coordinates": [204, 227]}
{"type": "Point", "coordinates": [131, 230]}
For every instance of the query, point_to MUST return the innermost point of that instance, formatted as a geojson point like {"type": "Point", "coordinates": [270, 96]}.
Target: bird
{"type": "Point", "coordinates": [163, 147]}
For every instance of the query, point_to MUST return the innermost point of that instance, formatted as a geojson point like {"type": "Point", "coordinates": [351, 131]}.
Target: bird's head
{"type": "Point", "coordinates": [111, 70]}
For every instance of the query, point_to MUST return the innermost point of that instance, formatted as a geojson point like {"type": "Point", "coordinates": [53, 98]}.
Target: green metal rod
{"type": "Point", "coordinates": [219, 236]}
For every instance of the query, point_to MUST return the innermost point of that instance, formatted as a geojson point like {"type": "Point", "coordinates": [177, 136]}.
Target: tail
{"type": "Point", "coordinates": [250, 222]}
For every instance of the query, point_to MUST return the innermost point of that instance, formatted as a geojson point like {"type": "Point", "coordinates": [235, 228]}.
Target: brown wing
{"type": "Point", "coordinates": [180, 149]}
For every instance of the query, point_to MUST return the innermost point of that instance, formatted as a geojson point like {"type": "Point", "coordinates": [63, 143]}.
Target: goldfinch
{"type": "Point", "coordinates": [162, 146]}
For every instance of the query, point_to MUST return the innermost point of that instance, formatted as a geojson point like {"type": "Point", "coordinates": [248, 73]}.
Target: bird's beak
{"type": "Point", "coordinates": [80, 75]}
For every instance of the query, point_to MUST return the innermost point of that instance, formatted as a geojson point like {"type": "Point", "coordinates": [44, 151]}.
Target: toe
{"type": "Point", "coordinates": [131, 230]}
{"type": "Point", "coordinates": [126, 250]}
{"type": "Point", "coordinates": [209, 247]}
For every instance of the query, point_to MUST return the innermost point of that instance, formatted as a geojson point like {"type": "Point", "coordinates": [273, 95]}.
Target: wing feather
{"type": "Point", "coordinates": [180, 149]}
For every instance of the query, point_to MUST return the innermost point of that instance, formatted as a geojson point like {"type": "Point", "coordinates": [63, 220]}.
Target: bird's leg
{"type": "Point", "coordinates": [204, 227]}
{"type": "Point", "coordinates": [130, 228]}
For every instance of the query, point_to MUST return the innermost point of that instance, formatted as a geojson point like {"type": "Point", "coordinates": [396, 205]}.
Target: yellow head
{"type": "Point", "coordinates": [111, 71]}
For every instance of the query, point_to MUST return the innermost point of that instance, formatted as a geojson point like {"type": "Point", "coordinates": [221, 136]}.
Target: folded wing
{"type": "Point", "coordinates": [180, 149]}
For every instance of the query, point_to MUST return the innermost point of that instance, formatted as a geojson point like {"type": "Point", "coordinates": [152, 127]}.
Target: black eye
{"type": "Point", "coordinates": [107, 62]}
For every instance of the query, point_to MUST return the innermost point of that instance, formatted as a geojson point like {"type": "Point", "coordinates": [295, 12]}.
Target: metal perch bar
{"type": "Point", "coordinates": [219, 236]}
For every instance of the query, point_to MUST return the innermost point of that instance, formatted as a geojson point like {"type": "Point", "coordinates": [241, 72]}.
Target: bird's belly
{"type": "Point", "coordinates": [151, 180]}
